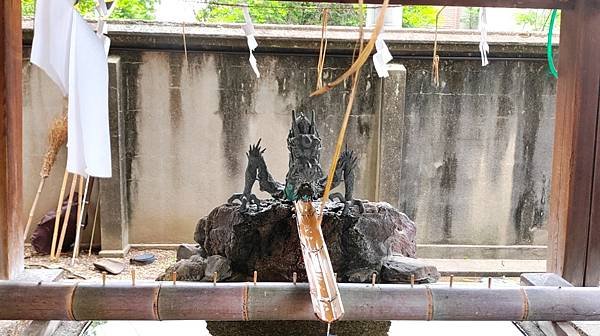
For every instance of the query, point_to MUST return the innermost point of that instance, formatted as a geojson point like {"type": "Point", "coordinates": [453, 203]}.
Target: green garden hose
{"type": "Point", "coordinates": [549, 46]}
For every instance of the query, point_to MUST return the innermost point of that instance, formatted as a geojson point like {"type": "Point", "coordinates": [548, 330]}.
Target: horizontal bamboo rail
{"type": "Point", "coordinates": [150, 300]}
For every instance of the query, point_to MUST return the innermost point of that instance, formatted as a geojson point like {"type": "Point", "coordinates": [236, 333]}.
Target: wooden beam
{"type": "Point", "coordinates": [592, 269]}
{"type": "Point", "coordinates": [560, 4]}
{"type": "Point", "coordinates": [575, 197]}
{"type": "Point", "coordinates": [11, 228]}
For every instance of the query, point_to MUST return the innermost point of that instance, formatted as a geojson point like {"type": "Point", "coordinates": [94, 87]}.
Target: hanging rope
{"type": "Point", "coordinates": [342, 133]}
{"type": "Point", "coordinates": [362, 56]}
{"type": "Point", "coordinates": [435, 70]}
{"type": "Point", "coordinates": [322, 49]}
{"type": "Point", "coordinates": [549, 46]}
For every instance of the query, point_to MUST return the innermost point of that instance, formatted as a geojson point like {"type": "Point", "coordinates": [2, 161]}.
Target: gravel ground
{"type": "Point", "coordinates": [84, 268]}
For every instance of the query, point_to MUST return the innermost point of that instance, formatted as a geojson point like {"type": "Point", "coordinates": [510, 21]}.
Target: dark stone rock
{"type": "Point", "coordinates": [360, 275]}
{"type": "Point", "coordinates": [219, 264]}
{"type": "Point", "coordinates": [185, 251]}
{"type": "Point", "coordinates": [399, 269]}
{"type": "Point", "coordinates": [192, 269]}
{"type": "Point", "coordinates": [267, 240]}
{"type": "Point", "coordinates": [298, 328]}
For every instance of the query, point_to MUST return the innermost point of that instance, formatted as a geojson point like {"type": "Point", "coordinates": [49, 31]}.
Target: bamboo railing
{"type": "Point", "coordinates": [150, 300]}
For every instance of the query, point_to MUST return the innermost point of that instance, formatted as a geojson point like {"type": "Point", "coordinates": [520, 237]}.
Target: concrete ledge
{"type": "Point", "coordinates": [293, 38]}
{"type": "Point", "coordinates": [487, 267]}
{"type": "Point", "coordinates": [114, 253]}
{"type": "Point", "coordinates": [448, 251]}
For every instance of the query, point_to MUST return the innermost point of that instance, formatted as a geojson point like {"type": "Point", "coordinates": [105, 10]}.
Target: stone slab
{"type": "Point", "coordinates": [487, 267]}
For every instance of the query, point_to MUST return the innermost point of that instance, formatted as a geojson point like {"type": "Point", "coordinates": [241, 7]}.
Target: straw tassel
{"type": "Point", "coordinates": [57, 137]}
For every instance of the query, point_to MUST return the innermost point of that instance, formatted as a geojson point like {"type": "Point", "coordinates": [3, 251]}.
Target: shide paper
{"type": "Point", "coordinates": [248, 29]}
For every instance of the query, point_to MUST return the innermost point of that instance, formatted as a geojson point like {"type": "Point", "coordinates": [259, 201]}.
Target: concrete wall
{"type": "Point", "coordinates": [477, 152]}
{"type": "Point", "coordinates": [468, 161]}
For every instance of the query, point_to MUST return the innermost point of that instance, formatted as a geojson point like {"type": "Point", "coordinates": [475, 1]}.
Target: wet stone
{"type": "Point", "coordinates": [398, 269]}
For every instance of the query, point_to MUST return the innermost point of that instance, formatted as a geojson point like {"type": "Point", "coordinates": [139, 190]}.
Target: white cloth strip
{"type": "Point", "coordinates": [88, 144]}
{"type": "Point", "coordinates": [381, 58]}
{"type": "Point", "coordinates": [484, 48]}
{"type": "Point", "coordinates": [248, 29]}
{"type": "Point", "coordinates": [52, 40]}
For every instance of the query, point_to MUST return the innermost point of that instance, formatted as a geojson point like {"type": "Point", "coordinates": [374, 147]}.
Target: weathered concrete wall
{"type": "Point", "coordinates": [189, 125]}
{"type": "Point", "coordinates": [472, 156]}
{"type": "Point", "coordinates": [477, 151]}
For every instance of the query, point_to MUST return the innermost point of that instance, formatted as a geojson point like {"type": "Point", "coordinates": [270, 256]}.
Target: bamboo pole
{"type": "Point", "coordinates": [63, 230]}
{"type": "Point", "coordinates": [33, 207]}
{"type": "Point", "coordinates": [80, 211]}
{"type": "Point", "coordinates": [325, 295]}
{"type": "Point", "coordinates": [58, 213]}
{"type": "Point", "coordinates": [94, 224]}
{"type": "Point", "coordinates": [151, 300]}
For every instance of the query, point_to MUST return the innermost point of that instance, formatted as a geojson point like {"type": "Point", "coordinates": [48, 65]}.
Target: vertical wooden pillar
{"type": "Point", "coordinates": [11, 228]}
{"type": "Point", "coordinates": [574, 220]}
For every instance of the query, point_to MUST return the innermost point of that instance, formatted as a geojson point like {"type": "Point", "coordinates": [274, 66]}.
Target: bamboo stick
{"type": "Point", "coordinates": [58, 213]}
{"type": "Point", "coordinates": [33, 207]}
{"type": "Point", "coordinates": [63, 231]}
{"type": "Point", "coordinates": [94, 224]}
{"type": "Point", "coordinates": [151, 300]}
{"type": "Point", "coordinates": [325, 295]}
{"type": "Point", "coordinates": [80, 210]}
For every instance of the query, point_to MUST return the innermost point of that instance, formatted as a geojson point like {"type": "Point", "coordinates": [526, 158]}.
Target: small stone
{"type": "Point", "coordinates": [191, 269]}
{"type": "Point", "coordinates": [398, 269]}
{"type": "Point", "coordinates": [360, 275]}
{"type": "Point", "coordinates": [219, 264]}
{"type": "Point", "coordinates": [185, 251]}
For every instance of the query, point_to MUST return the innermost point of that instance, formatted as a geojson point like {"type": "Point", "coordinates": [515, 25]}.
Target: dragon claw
{"type": "Point", "coordinates": [245, 200]}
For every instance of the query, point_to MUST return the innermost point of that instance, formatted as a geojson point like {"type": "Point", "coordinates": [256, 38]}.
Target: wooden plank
{"type": "Point", "coordinates": [561, 4]}
{"type": "Point", "coordinates": [11, 235]}
{"type": "Point", "coordinates": [592, 267]}
{"type": "Point", "coordinates": [574, 142]}
{"type": "Point", "coordinates": [543, 279]}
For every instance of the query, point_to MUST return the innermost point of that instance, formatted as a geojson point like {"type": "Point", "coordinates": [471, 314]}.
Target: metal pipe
{"type": "Point", "coordinates": [150, 300]}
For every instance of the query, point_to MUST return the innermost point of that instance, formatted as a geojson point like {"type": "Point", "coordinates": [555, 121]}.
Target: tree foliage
{"type": "Point", "coordinates": [419, 16]}
{"type": "Point", "coordinates": [280, 12]}
{"type": "Point", "coordinates": [470, 18]}
{"type": "Point", "coordinates": [536, 19]}
{"type": "Point", "coordinates": [126, 9]}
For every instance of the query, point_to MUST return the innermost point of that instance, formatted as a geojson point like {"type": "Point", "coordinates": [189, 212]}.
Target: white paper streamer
{"type": "Point", "coordinates": [381, 58]}
{"type": "Point", "coordinates": [102, 26]}
{"type": "Point", "coordinates": [484, 48]}
{"type": "Point", "coordinates": [248, 29]}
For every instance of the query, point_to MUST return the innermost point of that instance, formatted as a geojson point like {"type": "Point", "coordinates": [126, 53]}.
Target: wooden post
{"type": "Point", "coordinates": [11, 179]}
{"type": "Point", "coordinates": [575, 199]}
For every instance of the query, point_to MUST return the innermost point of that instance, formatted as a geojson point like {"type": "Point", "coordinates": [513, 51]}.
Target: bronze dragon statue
{"type": "Point", "coordinates": [305, 179]}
